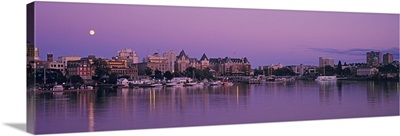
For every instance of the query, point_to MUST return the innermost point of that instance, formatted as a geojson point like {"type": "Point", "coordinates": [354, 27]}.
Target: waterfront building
{"type": "Point", "coordinates": [82, 68]}
{"type": "Point", "coordinates": [116, 63]}
{"type": "Point", "coordinates": [367, 71]}
{"type": "Point", "coordinates": [161, 66]}
{"type": "Point", "coordinates": [55, 65]}
{"type": "Point", "coordinates": [39, 64]}
{"type": "Point", "coordinates": [118, 71]}
{"type": "Point", "coordinates": [129, 56]}
{"type": "Point", "coordinates": [295, 69]}
{"type": "Point", "coordinates": [65, 59]}
{"type": "Point", "coordinates": [32, 53]}
{"type": "Point", "coordinates": [387, 58]}
{"type": "Point", "coordinates": [89, 58]}
{"type": "Point", "coordinates": [326, 62]}
{"type": "Point", "coordinates": [182, 62]}
{"type": "Point", "coordinates": [303, 69]}
{"type": "Point", "coordinates": [193, 62]}
{"type": "Point", "coordinates": [275, 67]}
{"type": "Point", "coordinates": [155, 58]}
{"type": "Point", "coordinates": [154, 62]}
{"type": "Point", "coordinates": [204, 62]}
{"type": "Point", "coordinates": [171, 58]}
{"type": "Point", "coordinates": [373, 58]}
{"type": "Point", "coordinates": [49, 57]}
{"type": "Point", "coordinates": [230, 66]}
{"type": "Point", "coordinates": [117, 67]}
{"type": "Point", "coordinates": [133, 72]}
{"type": "Point", "coordinates": [311, 69]}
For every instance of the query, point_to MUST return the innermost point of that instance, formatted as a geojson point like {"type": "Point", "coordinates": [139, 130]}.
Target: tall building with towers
{"type": "Point", "coordinates": [373, 58]}
{"type": "Point", "coordinates": [171, 58]}
{"type": "Point", "coordinates": [129, 56]}
{"type": "Point", "coordinates": [387, 58]}
{"type": "Point", "coordinates": [326, 62]}
{"type": "Point", "coordinates": [49, 57]}
{"type": "Point", "coordinates": [32, 53]}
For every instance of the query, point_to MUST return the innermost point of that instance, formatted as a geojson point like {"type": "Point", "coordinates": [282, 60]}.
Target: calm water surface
{"type": "Point", "coordinates": [189, 106]}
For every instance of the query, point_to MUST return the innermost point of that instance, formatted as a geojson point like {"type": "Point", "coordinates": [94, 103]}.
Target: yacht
{"type": "Point", "coordinates": [227, 83]}
{"type": "Point", "coordinates": [326, 79]}
{"type": "Point", "coordinates": [156, 85]}
{"type": "Point", "coordinates": [58, 88]}
{"type": "Point", "coordinates": [215, 83]}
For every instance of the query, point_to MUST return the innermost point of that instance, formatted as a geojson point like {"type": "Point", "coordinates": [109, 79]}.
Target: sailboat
{"type": "Point", "coordinates": [326, 78]}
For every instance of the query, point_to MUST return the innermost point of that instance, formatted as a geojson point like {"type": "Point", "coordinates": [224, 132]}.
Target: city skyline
{"type": "Point", "coordinates": [263, 36]}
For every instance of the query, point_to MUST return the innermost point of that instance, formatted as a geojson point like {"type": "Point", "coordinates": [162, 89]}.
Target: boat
{"type": "Point", "coordinates": [58, 88]}
{"type": "Point", "coordinates": [178, 85]}
{"type": "Point", "coordinates": [227, 83]}
{"type": "Point", "coordinates": [156, 85]}
{"type": "Point", "coordinates": [170, 84]}
{"type": "Point", "coordinates": [215, 83]}
{"type": "Point", "coordinates": [199, 84]}
{"type": "Point", "coordinates": [326, 79]}
{"type": "Point", "coordinates": [89, 87]}
{"type": "Point", "coordinates": [190, 84]}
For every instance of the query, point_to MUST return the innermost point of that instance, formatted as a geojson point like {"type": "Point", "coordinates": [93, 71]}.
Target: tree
{"type": "Point", "coordinates": [52, 76]}
{"type": "Point", "coordinates": [168, 75]}
{"type": "Point", "coordinates": [259, 72]}
{"type": "Point", "coordinates": [148, 71]}
{"type": "Point", "coordinates": [127, 77]}
{"type": "Point", "coordinates": [339, 69]}
{"type": "Point", "coordinates": [347, 72]}
{"type": "Point", "coordinates": [158, 74]}
{"type": "Point", "coordinates": [101, 69]}
{"type": "Point", "coordinates": [189, 72]}
{"type": "Point", "coordinates": [326, 71]}
{"type": "Point", "coordinates": [112, 79]}
{"type": "Point", "coordinates": [199, 75]}
{"type": "Point", "coordinates": [75, 79]}
{"type": "Point", "coordinates": [285, 71]}
{"type": "Point", "coordinates": [178, 74]}
{"type": "Point", "coordinates": [207, 74]}
{"type": "Point", "coordinates": [30, 75]}
{"type": "Point", "coordinates": [388, 69]}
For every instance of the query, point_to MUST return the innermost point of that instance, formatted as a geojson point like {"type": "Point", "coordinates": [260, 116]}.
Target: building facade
{"type": "Point", "coordinates": [154, 62]}
{"type": "Point", "coordinates": [326, 62]}
{"type": "Point", "coordinates": [367, 71]}
{"type": "Point", "coordinates": [204, 62]}
{"type": "Point", "coordinates": [65, 59]}
{"type": "Point", "coordinates": [373, 58]}
{"type": "Point", "coordinates": [387, 58]}
{"type": "Point", "coordinates": [50, 57]}
{"type": "Point", "coordinates": [171, 58]}
{"type": "Point", "coordinates": [230, 66]}
{"type": "Point", "coordinates": [133, 73]}
{"type": "Point", "coordinates": [161, 66]}
{"type": "Point", "coordinates": [182, 62]}
{"type": "Point", "coordinates": [155, 58]}
{"type": "Point", "coordinates": [55, 65]}
{"type": "Point", "coordinates": [129, 56]}
{"type": "Point", "coordinates": [32, 53]}
{"type": "Point", "coordinates": [82, 68]}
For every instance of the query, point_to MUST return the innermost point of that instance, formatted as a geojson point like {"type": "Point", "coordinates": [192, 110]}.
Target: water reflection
{"type": "Point", "coordinates": [123, 108]}
{"type": "Point", "coordinates": [326, 91]}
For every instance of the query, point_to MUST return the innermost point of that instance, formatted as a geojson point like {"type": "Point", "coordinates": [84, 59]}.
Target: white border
{"type": "Point", "coordinates": [12, 97]}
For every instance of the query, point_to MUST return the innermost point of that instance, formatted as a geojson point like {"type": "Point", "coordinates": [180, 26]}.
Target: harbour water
{"type": "Point", "coordinates": [139, 108]}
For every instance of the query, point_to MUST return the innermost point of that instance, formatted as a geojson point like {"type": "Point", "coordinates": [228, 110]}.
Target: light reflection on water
{"type": "Point", "coordinates": [187, 106]}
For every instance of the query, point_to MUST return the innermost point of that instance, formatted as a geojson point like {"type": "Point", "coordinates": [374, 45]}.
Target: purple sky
{"type": "Point", "coordinates": [263, 36]}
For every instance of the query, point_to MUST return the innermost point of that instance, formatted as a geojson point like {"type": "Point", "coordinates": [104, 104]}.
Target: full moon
{"type": "Point", "coordinates": [91, 32]}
